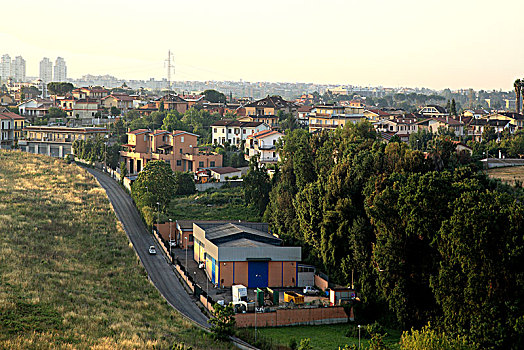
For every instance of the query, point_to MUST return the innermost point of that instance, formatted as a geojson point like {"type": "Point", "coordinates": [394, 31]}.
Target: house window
{"type": "Point", "coordinates": [244, 131]}
{"type": "Point", "coordinates": [212, 163]}
{"type": "Point", "coordinates": [215, 130]}
{"type": "Point", "coordinates": [200, 164]}
{"type": "Point", "coordinates": [181, 151]}
{"type": "Point", "coordinates": [229, 131]}
{"type": "Point", "coordinates": [182, 139]}
{"type": "Point", "coordinates": [178, 162]}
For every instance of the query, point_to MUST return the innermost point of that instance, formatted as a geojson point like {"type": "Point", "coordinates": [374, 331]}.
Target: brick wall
{"type": "Point", "coordinates": [292, 317]}
{"type": "Point", "coordinates": [321, 283]}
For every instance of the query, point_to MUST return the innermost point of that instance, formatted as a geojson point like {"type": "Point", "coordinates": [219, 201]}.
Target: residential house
{"type": "Point", "coordinates": [270, 106]}
{"type": "Point", "coordinates": [34, 108]}
{"type": "Point", "coordinates": [303, 114]}
{"type": "Point", "coordinates": [271, 120]}
{"type": "Point", "coordinates": [433, 125]}
{"type": "Point", "coordinates": [85, 110]}
{"type": "Point", "coordinates": [123, 102]}
{"type": "Point", "coordinates": [516, 119]}
{"type": "Point", "coordinates": [56, 141]}
{"type": "Point", "coordinates": [475, 113]}
{"type": "Point", "coordinates": [7, 132]}
{"type": "Point", "coordinates": [263, 144]}
{"type": "Point", "coordinates": [244, 253]}
{"type": "Point", "coordinates": [178, 148]}
{"type": "Point", "coordinates": [234, 132]}
{"type": "Point", "coordinates": [401, 127]}
{"type": "Point", "coordinates": [433, 111]}
{"type": "Point", "coordinates": [172, 102]}
{"type": "Point", "coordinates": [92, 92]}
{"type": "Point", "coordinates": [225, 173]}
{"type": "Point", "coordinates": [329, 117]}
{"type": "Point", "coordinates": [376, 114]}
{"type": "Point", "coordinates": [18, 122]}
{"type": "Point", "coordinates": [67, 105]}
{"type": "Point", "coordinates": [6, 100]}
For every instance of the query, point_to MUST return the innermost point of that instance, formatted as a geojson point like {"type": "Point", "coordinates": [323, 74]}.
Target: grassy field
{"type": "Point", "coordinates": [329, 337]}
{"type": "Point", "coordinates": [218, 204]}
{"type": "Point", "coordinates": [68, 277]}
{"type": "Point", "coordinates": [508, 174]}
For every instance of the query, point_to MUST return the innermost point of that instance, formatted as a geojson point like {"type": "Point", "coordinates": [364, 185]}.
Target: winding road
{"type": "Point", "coordinates": [160, 272]}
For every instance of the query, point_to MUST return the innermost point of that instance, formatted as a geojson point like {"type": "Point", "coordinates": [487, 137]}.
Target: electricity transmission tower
{"type": "Point", "coordinates": [170, 67]}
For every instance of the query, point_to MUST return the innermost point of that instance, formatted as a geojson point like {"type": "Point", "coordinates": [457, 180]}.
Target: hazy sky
{"type": "Point", "coordinates": [431, 43]}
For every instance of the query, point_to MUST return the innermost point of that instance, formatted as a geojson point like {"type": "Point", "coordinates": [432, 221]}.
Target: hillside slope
{"type": "Point", "coordinates": [68, 277]}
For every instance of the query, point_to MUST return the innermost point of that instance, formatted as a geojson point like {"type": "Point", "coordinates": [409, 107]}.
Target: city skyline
{"type": "Point", "coordinates": [433, 44]}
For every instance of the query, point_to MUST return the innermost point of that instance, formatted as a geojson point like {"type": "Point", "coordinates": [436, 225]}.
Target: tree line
{"type": "Point", "coordinates": [422, 236]}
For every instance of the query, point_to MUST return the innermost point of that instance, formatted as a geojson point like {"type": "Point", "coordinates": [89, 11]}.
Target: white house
{"type": "Point", "coordinates": [7, 132]}
{"type": "Point", "coordinates": [234, 131]}
{"type": "Point", "coordinates": [225, 173]}
{"type": "Point", "coordinates": [433, 124]}
{"type": "Point", "coordinates": [263, 144]}
{"type": "Point", "coordinates": [402, 127]}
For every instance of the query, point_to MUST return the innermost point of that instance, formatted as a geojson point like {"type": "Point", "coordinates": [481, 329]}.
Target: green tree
{"type": "Point", "coordinates": [184, 183]}
{"type": "Point", "coordinates": [453, 108]}
{"type": "Point", "coordinates": [55, 112]}
{"type": "Point", "coordinates": [480, 282]}
{"type": "Point", "coordinates": [115, 111]}
{"type": "Point", "coordinates": [59, 88]}
{"type": "Point", "coordinates": [214, 96]}
{"type": "Point", "coordinates": [223, 321]}
{"type": "Point", "coordinates": [489, 134]}
{"type": "Point", "coordinates": [123, 171]}
{"type": "Point", "coordinates": [156, 183]}
{"type": "Point", "coordinates": [429, 339]}
{"type": "Point", "coordinates": [256, 186]}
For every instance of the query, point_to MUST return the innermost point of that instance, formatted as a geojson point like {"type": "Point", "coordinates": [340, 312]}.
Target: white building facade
{"type": "Point", "coordinates": [46, 70]}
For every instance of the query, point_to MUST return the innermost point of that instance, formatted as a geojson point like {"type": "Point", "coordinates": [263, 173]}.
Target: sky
{"type": "Point", "coordinates": [404, 43]}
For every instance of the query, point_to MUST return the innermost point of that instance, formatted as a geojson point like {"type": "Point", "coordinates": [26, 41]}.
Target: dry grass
{"type": "Point", "coordinates": [509, 175]}
{"type": "Point", "coordinates": [68, 278]}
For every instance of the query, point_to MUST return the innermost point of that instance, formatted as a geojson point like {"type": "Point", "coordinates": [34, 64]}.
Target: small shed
{"type": "Point", "coordinates": [225, 173]}
{"type": "Point", "coordinates": [341, 295]}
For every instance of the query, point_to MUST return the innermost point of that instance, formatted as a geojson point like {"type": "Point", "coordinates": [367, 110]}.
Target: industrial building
{"type": "Point", "coordinates": [244, 253]}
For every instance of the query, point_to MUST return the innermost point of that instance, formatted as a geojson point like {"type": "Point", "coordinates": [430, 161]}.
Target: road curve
{"type": "Point", "coordinates": [158, 269]}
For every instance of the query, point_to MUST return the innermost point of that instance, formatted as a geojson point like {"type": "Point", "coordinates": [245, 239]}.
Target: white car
{"type": "Point", "coordinates": [152, 250]}
{"type": "Point", "coordinates": [310, 290]}
{"type": "Point", "coordinates": [172, 243]}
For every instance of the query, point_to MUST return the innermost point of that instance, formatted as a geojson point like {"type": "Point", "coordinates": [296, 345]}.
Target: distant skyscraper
{"type": "Point", "coordinates": [60, 69]}
{"type": "Point", "coordinates": [46, 70]}
{"type": "Point", "coordinates": [5, 67]}
{"type": "Point", "coordinates": [18, 68]}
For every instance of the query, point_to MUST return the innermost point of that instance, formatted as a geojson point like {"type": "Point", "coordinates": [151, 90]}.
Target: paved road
{"type": "Point", "coordinates": [159, 270]}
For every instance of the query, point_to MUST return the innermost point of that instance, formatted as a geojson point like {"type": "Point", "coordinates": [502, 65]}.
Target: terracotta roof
{"type": "Point", "coordinates": [271, 101]}
{"type": "Point", "coordinates": [139, 131]}
{"type": "Point", "coordinates": [264, 133]}
{"type": "Point", "coordinates": [229, 122]}
{"type": "Point", "coordinates": [225, 170]}
{"type": "Point", "coordinates": [305, 109]}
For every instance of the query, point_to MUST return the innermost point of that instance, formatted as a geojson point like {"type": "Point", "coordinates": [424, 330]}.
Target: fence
{"type": "Point", "coordinates": [293, 317]}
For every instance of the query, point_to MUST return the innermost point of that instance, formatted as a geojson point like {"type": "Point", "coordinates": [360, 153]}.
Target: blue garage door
{"type": "Point", "coordinates": [257, 274]}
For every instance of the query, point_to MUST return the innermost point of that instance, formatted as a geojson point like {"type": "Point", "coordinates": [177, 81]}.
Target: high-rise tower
{"type": "Point", "coordinates": [60, 70]}
{"type": "Point", "coordinates": [46, 70]}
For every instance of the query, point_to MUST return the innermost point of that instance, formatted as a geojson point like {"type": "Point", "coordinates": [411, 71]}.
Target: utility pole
{"type": "Point", "coordinates": [169, 68]}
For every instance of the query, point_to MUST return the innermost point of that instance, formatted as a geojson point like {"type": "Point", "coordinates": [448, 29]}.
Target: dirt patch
{"type": "Point", "coordinates": [509, 175]}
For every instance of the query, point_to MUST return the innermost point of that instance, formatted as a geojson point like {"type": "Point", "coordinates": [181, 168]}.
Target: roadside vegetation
{"type": "Point", "coordinates": [213, 204]}
{"type": "Point", "coordinates": [68, 277]}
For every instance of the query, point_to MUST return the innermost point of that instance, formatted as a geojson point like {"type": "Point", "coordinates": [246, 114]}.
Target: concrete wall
{"type": "Point", "coordinates": [321, 283]}
{"type": "Point", "coordinates": [292, 317]}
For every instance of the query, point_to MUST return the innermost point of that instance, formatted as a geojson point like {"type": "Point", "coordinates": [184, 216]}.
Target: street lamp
{"type": "Point", "coordinates": [256, 276]}
{"type": "Point", "coordinates": [187, 268]}
{"type": "Point", "coordinates": [170, 253]}
{"type": "Point", "coordinates": [359, 336]}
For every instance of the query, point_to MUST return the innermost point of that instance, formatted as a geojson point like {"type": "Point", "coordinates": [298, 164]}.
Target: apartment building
{"type": "Point", "coordinates": [55, 141]}
{"type": "Point", "coordinates": [330, 117]}
{"type": "Point", "coordinates": [234, 132]}
{"type": "Point", "coordinates": [263, 144]}
{"type": "Point", "coordinates": [401, 127]}
{"type": "Point", "coordinates": [178, 148]}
